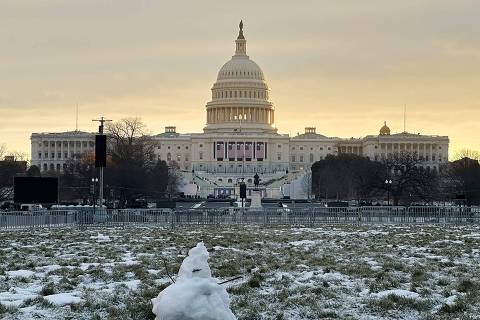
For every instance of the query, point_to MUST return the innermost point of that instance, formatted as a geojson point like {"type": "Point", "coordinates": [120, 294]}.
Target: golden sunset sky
{"type": "Point", "coordinates": [342, 66]}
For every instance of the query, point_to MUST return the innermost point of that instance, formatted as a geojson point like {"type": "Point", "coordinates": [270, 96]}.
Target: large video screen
{"type": "Point", "coordinates": [35, 190]}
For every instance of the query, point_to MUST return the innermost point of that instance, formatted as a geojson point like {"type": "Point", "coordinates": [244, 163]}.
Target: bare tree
{"type": "Point", "coordinates": [17, 155]}
{"type": "Point", "coordinates": [8, 170]}
{"type": "Point", "coordinates": [6, 193]}
{"type": "Point", "coordinates": [133, 171]}
{"type": "Point", "coordinates": [467, 153]}
{"type": "Point", "coordinates": [174, 182]}
{"type": "Point", "coordinates": [3, 151]}
{"type": "Point", "coordinates": [410, 181]}
{"type": "Point", "coordinates": [130, 142]}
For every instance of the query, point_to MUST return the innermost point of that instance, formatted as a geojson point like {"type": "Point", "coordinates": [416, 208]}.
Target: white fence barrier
{"type": "Point", "coordinates": [232, 216]}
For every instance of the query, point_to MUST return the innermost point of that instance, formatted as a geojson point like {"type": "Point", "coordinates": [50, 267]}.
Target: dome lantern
{"type": "Point", "coordinates": [241, 42]}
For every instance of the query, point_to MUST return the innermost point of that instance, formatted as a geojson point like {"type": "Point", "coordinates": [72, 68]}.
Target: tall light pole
{"type": "Point", "coordinates": [240, 117]}
{"type": "Point", "coordinates": [388, 183]}
{"type": "Point", "coordinates": [94, 182]}
{"type": "Point", "coordinates": [102, 121]}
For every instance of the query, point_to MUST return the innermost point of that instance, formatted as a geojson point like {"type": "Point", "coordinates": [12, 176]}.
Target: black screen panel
{"type": "Point", "coordinates": [35, 190]}
{"type": "Point", "coordinates": [100, 151]}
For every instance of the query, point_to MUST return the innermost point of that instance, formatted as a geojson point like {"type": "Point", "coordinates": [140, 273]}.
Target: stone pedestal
{"type": "Point", "coordinates": [256, 198]}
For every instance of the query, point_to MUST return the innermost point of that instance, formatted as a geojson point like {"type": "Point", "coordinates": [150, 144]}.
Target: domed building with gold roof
{"type": "Point", "coordinates": [385, 130]}
{"type": "Point", "coordinates": [240, 139]}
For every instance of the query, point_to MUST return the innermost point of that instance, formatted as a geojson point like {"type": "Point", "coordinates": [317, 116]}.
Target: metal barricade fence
{"type": "Point", "coordinates": [22, 219]}
{"type": "Point", "coordinates": [238, 216]}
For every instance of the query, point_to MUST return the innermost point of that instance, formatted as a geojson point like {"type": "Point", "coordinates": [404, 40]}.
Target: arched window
{"type": "Point", "coordinates": [52, 167]}
{"type": "Point", "coordinates": [311, 157]}
{"type": "Point", "coordinates": [169, 156]}
{"type": "Point", "coordinates": [45, 167]}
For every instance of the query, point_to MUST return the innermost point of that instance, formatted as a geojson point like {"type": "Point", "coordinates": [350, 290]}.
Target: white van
{"type": "Point", "coordinates": [30, 207]}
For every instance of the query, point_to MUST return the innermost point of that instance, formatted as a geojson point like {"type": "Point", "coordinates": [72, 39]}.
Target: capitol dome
{"type": "Point", "coordinates": [240, 96]}
{"type": "Point", "coordinates": [240, 67]}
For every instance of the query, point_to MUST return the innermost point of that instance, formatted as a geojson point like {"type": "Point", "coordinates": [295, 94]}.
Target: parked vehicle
{"type": "Point", "coordinates": [30, 207]}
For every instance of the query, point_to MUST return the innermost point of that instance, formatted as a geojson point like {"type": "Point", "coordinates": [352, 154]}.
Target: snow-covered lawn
{"type": "Point", "coordinates": [344, 272]}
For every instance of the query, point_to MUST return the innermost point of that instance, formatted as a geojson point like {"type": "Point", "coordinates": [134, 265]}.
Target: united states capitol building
{"type": "Point", "coordinates": [240, 139]}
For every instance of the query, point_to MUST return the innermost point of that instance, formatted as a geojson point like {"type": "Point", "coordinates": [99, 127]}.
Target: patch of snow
{"type": "Point", "coordinates": [302, 243]}
{"type": "Point", "coordinates": [101, 238]}
{"type": "Point", "coordinates": [15, 298]}
{"type": "Point", "coordinates": [374, 265]}
{"type": "Point", "coordinates": [447, 241]}
{"type": "Point", "coordinates": [20, 273]}
{"type": "Point", "coordinates": [86, 266]}
{"type": "Point", "coordinates": [153, 271]}
{"type": "Point", "coordinates": [397, 292]}
{"type": "Point", "coordinates": [216, 248]}
{"type": "Point", "coordinates": [61, 299]}
{"type": "Point", "coordinates": [449, 301]}
{"type": "Point", "coordinates": [49, 268]}
{"type": "Point", "coordinates": [198, 205]}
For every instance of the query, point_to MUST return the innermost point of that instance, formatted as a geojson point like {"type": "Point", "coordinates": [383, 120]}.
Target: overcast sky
{"type": "Point", "coordinates": [342, 66]}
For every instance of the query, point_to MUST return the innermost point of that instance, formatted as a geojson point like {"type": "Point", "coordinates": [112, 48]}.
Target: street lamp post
{"type": "Point", "coordinates": [94, 181]}
{"type": "Point", "coordinates": [388, 183]}
{"type": "Point", "coordinates": [100, 132]}
{"type": "Point", "coordinates": [241, 117]}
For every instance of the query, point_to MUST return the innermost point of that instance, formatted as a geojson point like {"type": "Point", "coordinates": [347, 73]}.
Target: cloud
{"type": "Point", "coordinates": [344, 66]}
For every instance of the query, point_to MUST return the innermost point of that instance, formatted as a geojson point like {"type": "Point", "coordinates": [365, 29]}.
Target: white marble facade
{"type": "Point", "coordinates": [240, 136]}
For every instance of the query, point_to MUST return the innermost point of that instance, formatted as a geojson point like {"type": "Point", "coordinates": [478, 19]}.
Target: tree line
{"type": "Point", "coordinates": [132, 172]}
{"type": "Point", "coordinates": [401, 176]}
